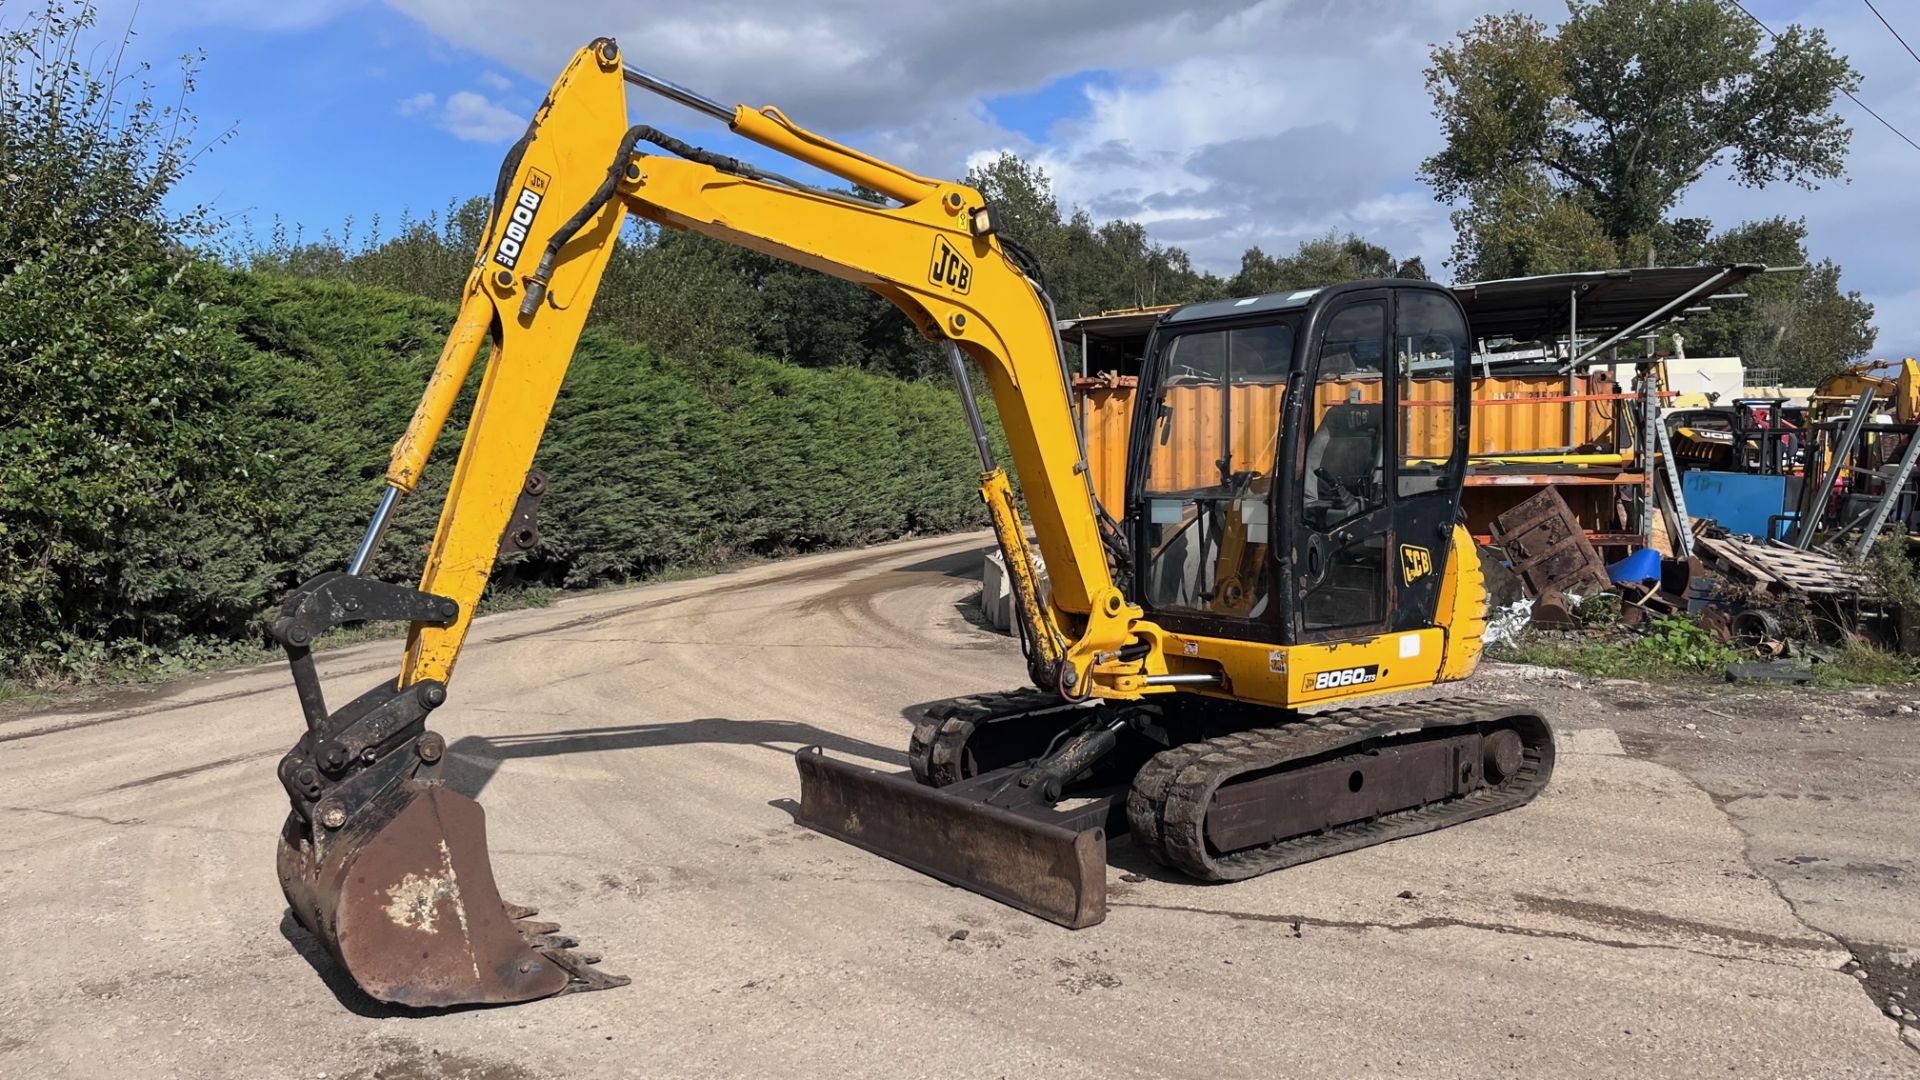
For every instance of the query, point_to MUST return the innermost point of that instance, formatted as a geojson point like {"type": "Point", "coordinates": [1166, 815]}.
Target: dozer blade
{"type": "Point", "coordinates": [1018, 857]}
{"type": "Point", "coordinates": [403, 897]}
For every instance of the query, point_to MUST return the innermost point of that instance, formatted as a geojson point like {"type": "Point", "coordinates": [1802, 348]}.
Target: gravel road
{"type": "Point", "coordinates": [1683, 900]}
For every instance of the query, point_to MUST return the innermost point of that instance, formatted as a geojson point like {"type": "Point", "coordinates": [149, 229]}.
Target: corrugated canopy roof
{"type": "Point", "coordinates": [1523, 309]}
{"type": "Point", "coordinates": [1107, 325]}
{"type": "Point", "coordinates": [1542, 308]}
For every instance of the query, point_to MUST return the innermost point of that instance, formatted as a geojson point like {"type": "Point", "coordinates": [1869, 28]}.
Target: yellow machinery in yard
{"type": "Point", "coordinates": [1314, 558]}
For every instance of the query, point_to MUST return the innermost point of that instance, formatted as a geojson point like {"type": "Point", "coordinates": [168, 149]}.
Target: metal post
{"type": "Point", "coordinates": [1895, 488]}
{"type": "Point", "coordinates": [1081, 400]}
{"type": "Point", "coordinates": [1703, 289]}
{"type": "Point", "coordinates": [1679, 530]}
{"type": "Point", "coordinates": [1573, 347]}
{"type": "Point", "coordinates": [1648, 448]}
{"type": "Point", "coordinates": [376, 529]}
{"type": "Point", "coordinates": [1842, 447]}
{"type": "Point", "coordinates": [974, 423]}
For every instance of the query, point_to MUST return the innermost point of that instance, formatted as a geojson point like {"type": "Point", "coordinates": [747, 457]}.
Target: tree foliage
{"type": "Point", "coordinates": [116, 356]}
{"type": "Point", "coordinates": [1324, 260]}
{"type": "Point", "coordinates": [1518, 224]}
{"type": "Point", "coordinates": [1801, 326]}
{"type": "Point", "coordinates": [1568, 148]}
{"type": "Point", "coordinates": [1631, 102]}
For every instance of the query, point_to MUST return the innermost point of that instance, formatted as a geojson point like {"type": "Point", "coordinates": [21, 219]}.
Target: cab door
{"type": "Point", "coordinates": [1378, 461]}
{"type": "Point", "coordinates": [1343, 522]}
{"type": "Point", "coordinates": [1432, 376]}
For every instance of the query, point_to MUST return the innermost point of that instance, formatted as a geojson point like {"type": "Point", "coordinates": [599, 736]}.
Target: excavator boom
{"type": "Point", "coordinates": [387, 865]}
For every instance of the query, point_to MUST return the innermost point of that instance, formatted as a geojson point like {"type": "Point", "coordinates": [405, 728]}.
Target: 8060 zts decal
{"type": "Point", "coordinates": [513, 237]}
{"type": "Point", "coordinates": [1328, 680]}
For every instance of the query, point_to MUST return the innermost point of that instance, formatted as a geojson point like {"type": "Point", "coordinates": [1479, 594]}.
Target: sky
{"type": "Point", "coordinates": [1219, 124]}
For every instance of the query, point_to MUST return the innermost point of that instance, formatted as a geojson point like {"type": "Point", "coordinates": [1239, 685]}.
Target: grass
{"type": "Point", "coordinates": [19, 696]}
{"type": "Point", "coordinates": [1670, 652]}
{"type": "Point", "coordinates": [1864, 665]}
{"type": "Point", "coordinates": [1673, 647]}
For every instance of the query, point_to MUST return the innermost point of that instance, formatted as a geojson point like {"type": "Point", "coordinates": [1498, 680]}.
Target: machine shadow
{"type": "Point", "coordinates": [915, 713]}
{"type": "Point", "coordinates": [962, 565]}
{"type": "Point", "coordinates": [472, 760]}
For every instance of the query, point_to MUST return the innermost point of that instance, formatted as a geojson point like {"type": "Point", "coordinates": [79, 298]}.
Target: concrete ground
{"type": "Point", "coordinates": [1682, 901]}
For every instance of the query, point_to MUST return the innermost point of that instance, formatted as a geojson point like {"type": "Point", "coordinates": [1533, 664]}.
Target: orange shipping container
{"type": "Point", "coordinates": [1513, 414]}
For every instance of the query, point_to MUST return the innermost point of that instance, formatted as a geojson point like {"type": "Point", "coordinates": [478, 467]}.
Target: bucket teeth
{"type": "Point", "coordinates": [582, 976]}
{"type": "Point", "coordinates": [530, 929]}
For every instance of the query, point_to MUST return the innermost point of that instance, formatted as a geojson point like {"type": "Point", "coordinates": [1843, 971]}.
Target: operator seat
{"type": "Point", "coordinates": [1346, 444]}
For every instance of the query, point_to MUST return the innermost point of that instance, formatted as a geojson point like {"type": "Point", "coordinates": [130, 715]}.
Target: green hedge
{"type": "Point", "coordinates": [277, 399]}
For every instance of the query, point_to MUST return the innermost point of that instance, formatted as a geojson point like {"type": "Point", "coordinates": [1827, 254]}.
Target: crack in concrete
{"type": "Point", "coordinates": [1447, 922]}
{"type": "Point", "coordinates": [1720, 804]}
{"type": "Point", "coordinates": [76, 815]}
{"type": "Point", "coordinates": [193, 770]}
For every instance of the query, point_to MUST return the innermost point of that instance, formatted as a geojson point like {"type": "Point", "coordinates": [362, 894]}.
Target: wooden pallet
{"type": "Point", "coordinates": [1811, 572]}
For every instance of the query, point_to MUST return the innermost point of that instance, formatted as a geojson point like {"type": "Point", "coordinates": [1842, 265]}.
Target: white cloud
{"type": "Point", "coordinates": [1225, 123]}
{"type": "Point", "coordinates": [474, 118]}
{"type": "Point", "coordinates": [467, 115]}
{"type": "Point", "coordinates": [493, 80]}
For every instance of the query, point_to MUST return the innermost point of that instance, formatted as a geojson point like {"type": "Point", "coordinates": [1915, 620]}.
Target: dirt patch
{"type": "Point", "coordinates": [404, 1060]}
{"type": "Point", "coordinates": [1622, 918]}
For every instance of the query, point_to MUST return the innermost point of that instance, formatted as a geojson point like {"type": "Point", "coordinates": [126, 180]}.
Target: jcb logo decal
{"type": "Point", "coordinates": [1331, 680]}
{"type": "Point", "coordinates": [950, 269]}
{"type": "Point", "coordinates": [513, 232]}
{"type": "Point", "coordinates": [1415, 563]}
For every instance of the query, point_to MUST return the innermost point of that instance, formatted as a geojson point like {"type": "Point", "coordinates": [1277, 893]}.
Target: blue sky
{"type": "Point", "coordinates": [1219, 123]}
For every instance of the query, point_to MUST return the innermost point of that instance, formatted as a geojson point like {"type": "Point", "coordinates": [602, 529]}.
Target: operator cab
{"type": "Point", "coordinates": [1259, 458]}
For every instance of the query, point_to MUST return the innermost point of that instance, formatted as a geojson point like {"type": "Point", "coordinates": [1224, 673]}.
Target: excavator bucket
{"type": "Point", "coordinates": [404, 898]}
{"type": "Point", "coordinates": [1045, 862]}
{"type": "Point", "coordinates": [381, 861]}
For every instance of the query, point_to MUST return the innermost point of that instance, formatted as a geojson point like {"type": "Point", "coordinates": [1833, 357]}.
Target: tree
{"type": "Point", "coordinates": [1519, 224]}
{"type": "Point", "coordinates": [116, 356]}
{"type": "Point", "coordinates": [1023, 194]}
{"type": "Point", "coordinates": [1799, 325]}
{"type": "Point", "coordinates": [1630, 104]}
{"type": "Point", "coordinates": [1321, 261]}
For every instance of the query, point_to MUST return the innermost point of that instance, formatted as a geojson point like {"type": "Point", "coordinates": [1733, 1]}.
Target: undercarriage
{"type": "Point", "coordinates": [1014, 795]}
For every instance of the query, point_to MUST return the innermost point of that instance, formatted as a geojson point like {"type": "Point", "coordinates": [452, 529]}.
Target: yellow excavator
{"type": "Point", "coordinates": [1263, 565]}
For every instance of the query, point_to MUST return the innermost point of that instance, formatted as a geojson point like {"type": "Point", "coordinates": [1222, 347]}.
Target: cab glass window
{"type": "Point", "coordinates": [1215, 428]}
{"type": "Point", "coordinates": [1430, 350]}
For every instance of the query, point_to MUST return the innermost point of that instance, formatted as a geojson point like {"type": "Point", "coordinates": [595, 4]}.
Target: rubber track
{"type": "Point", "coordinates": [1167, 805]}
{"type": "Point", "coordinates": [941, 734]}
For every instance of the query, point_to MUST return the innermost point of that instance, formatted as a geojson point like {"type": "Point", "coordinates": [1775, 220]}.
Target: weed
{"type": "Point", "coordinates": [517, 599]}
{"type": "Point", "coordinates": [1672, 647]}
{"type": "Point", "coordinates": [1892, 569]}
{"type": "Point", "coordinates": [1860, 664]}
{"type": "Point", "coordinates": [14, 694]}
{"type": "Point", "coordinates": [1680, 643]}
